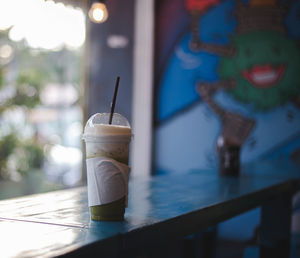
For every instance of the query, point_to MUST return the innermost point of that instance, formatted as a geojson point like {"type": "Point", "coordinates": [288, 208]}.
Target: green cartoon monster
{"type": "Point", "coordinates": [259, 67]}
{"type": "Point", "coordinates": [265, 68]}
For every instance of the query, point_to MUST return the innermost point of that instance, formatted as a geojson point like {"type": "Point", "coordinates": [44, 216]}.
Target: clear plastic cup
{"type": "Point", "coordinates": [108, 141]}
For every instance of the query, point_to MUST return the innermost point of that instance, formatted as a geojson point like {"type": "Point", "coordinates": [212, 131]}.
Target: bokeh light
{"type": "Point", "coordinates": [43, 24]}
{"type": "Point", "coordinates": [98, 13]}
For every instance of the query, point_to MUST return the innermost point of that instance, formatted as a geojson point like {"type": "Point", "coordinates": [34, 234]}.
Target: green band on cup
{"type": "Point", "coordinates": [113, 211]}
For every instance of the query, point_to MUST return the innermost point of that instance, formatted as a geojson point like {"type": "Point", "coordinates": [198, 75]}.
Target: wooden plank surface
{"type": "Point", "coordinates": [160, 208]}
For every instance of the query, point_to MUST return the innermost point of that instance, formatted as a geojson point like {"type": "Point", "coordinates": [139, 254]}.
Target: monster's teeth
{"type": "Point", "coordinates": [266, 77]}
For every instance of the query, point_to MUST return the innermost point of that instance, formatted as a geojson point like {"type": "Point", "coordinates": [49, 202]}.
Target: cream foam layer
{"type": "Point", "coordinates": [100, 130]}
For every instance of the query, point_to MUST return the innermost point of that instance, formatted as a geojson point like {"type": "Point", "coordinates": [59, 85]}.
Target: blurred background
{"type": "Point", "coordinates": [58, 64]}
{"type": "Point", "coordinates": [41, 53]}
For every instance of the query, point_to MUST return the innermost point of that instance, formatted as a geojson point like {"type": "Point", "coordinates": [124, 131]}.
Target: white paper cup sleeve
{"type": "Point", "coordinates": [107, 180]}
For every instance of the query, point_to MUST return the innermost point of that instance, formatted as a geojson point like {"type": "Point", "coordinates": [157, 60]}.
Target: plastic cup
{"type": "Point", "coordinates": [107, 141]}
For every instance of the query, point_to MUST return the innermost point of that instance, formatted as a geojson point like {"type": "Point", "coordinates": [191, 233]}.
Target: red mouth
{"type": "Point", "coordinates": [264, 76]}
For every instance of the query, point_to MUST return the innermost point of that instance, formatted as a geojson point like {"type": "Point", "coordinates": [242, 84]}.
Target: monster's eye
{"type": "Point", "coordinates": [248, 52]}
{"type": "Point", "coordinates": [276, 50]}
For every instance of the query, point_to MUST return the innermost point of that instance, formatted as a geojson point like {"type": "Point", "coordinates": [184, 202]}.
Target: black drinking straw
{"type": "Point", "coordinates": [112, 107]}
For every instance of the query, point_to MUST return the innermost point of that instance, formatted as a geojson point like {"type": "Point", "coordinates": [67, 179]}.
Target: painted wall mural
{"type": "Point", "coordinates": [233, 69]}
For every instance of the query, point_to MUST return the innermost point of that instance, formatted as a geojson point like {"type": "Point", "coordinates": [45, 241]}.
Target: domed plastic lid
{"type": "Point", "coordinates": [97, 125]}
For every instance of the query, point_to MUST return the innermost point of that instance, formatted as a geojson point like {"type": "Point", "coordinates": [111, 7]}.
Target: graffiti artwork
{"type": "Point", "coordinates": [242, 60]}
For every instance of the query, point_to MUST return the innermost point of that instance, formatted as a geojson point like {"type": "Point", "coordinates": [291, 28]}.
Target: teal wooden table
{"type": "Point", "coordinates": [161, 209]}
